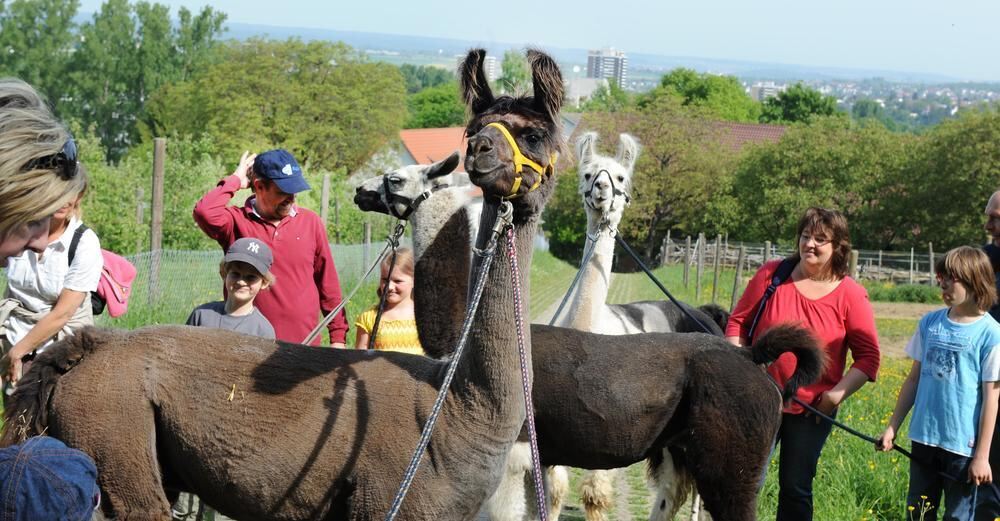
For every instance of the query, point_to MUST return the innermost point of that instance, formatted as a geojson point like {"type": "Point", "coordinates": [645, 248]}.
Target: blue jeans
{"type": "Point", "coordinates": [801, 440]}
{"type": "Point", "coordinates": [926, 480]}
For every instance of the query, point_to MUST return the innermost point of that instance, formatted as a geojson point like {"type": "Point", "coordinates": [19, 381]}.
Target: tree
{"type": "Point", "coordinates": [436, 107]}
{"type": "Point", "coordinates": [953, 174]}
{"type": "Point", "coordinates": [866, 108]}
{"type": "Point", "coordinates": [515, 76]}
{"type": "Point", "coordinates": [797, 103]}
{"type": "Point", "coordinates": [36, 43]}
{"type": "Point", "coordinates": [322, 101]}
{"type": "Point", "coordinates": [608, 97]}
{"type": "Point", "coordinates": [420, 77]}
{"type": "Point", "coordinates": [126, 53]}
{"type": "Point", "coordinates": [681, 168]}
{"type": "Point", "coordinates": [722, 96]}
{"type": "Point", "coordinates": [828, 163]}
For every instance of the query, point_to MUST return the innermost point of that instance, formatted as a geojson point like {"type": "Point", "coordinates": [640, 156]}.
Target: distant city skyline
{"type": "Point", "coordinates": [959, 40]}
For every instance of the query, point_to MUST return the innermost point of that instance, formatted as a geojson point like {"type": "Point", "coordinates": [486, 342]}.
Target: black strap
{"type": "Point", "coordinates": [75, 242]}
{"type": "Point", "coordinates": [781, 274]}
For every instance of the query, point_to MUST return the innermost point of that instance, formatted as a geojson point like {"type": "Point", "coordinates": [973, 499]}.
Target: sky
{"type": "Point", "coordinates": [957, 38]}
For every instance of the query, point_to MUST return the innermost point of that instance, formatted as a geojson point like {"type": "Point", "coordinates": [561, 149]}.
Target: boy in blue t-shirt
{"type": "Point", "coordinates": [953, 388]}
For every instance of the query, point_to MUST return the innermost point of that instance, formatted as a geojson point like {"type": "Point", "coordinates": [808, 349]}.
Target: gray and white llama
{"type": "Point", "coordinates": [605, 185]}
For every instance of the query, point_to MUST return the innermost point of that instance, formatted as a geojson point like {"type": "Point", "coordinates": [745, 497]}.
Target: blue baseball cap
{"type": "Point", "coordinates": [282, 168]}
{"type": "Point", "coordinates": [42, 478]}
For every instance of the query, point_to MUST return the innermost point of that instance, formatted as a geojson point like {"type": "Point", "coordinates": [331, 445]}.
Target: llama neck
{"type": "Point", "coordinates": [489, 370]}
{"type": "Point", "coordinates": [441, 245]}
{"type": "Point", "coordinates": [590, 297]}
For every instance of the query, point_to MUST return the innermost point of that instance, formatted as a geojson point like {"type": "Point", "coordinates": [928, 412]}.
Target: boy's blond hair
{"type": "Point", "coordinates": [972, 268]}
{"type": "Point", "coordinates": [268, 277]}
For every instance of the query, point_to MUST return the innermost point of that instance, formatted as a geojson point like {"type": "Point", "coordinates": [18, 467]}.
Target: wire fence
{"type": "Point", "coordinates": [171, 283]}
{"type": "Point", "coordinates": [912, 267]}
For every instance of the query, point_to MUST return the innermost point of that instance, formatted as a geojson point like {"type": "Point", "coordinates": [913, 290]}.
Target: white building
{"type": "Point", "coordinates": [609, 64]}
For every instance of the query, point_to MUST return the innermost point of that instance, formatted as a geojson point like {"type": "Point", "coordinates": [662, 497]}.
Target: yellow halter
{"type": "Point", "coordinates": [520, 160]}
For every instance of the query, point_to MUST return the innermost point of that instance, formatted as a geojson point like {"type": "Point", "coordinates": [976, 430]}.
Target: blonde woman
{"type": "Point", "coordinates": [39, 176]}
{"type": "Point", "coordinates": [48, 292]}
{"type": "Point", "coordinates": [38, 168]}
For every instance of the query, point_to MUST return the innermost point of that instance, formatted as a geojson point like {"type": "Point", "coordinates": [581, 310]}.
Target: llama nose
{"type": "Point", "coordinates": [602, 184]}
{"type": "Point", "coordinates": [480, 145]}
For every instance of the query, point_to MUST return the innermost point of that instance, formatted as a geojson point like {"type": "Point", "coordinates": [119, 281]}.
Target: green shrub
{"type": "Point", "coordinates": [889, 292]}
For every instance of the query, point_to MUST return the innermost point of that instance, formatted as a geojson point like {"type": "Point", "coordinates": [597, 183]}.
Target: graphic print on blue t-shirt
{"type": "Point", "coordinates": [941, 360]}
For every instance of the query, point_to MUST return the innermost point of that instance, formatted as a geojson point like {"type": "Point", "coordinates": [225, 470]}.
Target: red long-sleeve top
{"type": "Point", "coordinates": [306, 278]}
{"type": "Point", "coordinates": [842, 321]}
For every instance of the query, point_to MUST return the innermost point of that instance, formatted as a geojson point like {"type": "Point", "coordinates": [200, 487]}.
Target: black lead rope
{"type": "Point", "coordinates": [381, 301]}
{"type": "Point", "coordinates": [618, 237]}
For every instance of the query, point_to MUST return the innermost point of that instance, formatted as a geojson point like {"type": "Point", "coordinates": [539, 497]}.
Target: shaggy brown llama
{"type": "Point", "coordinates": [265, 430]}
{"type": "Point", "coordinates": [610, 401]}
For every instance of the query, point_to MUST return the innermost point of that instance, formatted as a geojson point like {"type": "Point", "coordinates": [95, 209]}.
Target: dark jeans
{"type": "Point", "coordinates": [927, 481]}
{"type": "Point", "coordinates": [801, 440]}
{"type": "Point", "coordinates": [988, 499]}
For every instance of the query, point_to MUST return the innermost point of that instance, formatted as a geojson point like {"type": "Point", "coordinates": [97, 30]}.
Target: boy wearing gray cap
{"type": "Point", "coordinates": [245, 270]}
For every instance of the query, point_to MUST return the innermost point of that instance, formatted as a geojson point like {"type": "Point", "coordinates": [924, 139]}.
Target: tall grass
{"type": "Point", "coordinates": [853, 481]}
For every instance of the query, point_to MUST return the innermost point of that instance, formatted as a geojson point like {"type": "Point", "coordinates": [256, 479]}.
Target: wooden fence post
{"type": "Point", "coordinates": [879, 265]}
{"type": "Point", "coordinates": [911, 266]}
{"type": "Point", "coordinates": [367, 245]}
{"type": "Point", "coordinates": [139, 207]}
{"type": "Point", "coordinates": [156, 221]}
{"type": "Point", "coordinates": [665, 256]}
{"type": "Point", "coordinates": [701, 267]}
{"type": "Point", "coordinates": [738, 278]}
{"type": "Point", "coordinates": [336, 219]}
{"type": "Point", "coordinates": [687, 259]}
{"type": "Point", "coordinates": [324, 204]}
{"type": "Point", "coordinates": [930, 264]}
{"type": "Point", "coordinates": [852, 264]}
{"type": "Point", "coordinates": [767, 252]}
{"type": "Point", "coordinates": [715, 268]}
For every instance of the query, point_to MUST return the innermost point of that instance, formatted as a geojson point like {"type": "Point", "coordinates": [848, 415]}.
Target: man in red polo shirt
{"type": "Point", "coordinates": [306, 281]}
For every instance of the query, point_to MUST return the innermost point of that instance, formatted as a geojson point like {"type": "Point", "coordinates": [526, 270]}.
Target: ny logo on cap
{"type": "Point", "coordinates": [287, 169]}
{"type": "Point", "coordinates": [254, 247]}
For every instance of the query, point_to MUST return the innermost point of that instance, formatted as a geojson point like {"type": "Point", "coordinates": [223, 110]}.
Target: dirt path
{"type": "Point", "coordinates": [902, 309]}
{"type": "Point", "coordinates": [622, 493]}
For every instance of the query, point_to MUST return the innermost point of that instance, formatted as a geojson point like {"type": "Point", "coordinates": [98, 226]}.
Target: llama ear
{"type": "Point", "coordinates": [548, 83]}
{"type": "Point", "coordinates": [585, 147]}
{"type": "Point", "coordinates": [475, 87]}
{"type": "Point", "coordinates": [628, 151]}
{"type": "Point", "coordinates": [443, 167]}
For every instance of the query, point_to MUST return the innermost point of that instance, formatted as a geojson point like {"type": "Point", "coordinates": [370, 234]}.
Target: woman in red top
{"type": "Point", "coordinates": [820, 296]}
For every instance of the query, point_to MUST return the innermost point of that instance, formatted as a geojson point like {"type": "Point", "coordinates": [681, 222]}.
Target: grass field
{"type": "Point", "coordinates": [853, 482]}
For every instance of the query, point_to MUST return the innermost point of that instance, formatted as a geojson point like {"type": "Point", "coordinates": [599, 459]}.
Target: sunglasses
{"type": "Point", "coordinates": [64, 162]}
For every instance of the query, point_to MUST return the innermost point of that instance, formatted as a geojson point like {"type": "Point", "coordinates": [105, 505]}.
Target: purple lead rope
{"type": "Point", "coordinates": [536, 460]}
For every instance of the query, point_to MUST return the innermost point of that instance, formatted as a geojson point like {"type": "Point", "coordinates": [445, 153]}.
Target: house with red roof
{"type": "Point", "coordinates": [422, 146]}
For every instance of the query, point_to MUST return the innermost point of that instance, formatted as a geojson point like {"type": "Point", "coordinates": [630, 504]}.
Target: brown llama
{"type": "Point", "coordinates": [275, 431]}
{"type": "Point", "coordinates": [610, 401]}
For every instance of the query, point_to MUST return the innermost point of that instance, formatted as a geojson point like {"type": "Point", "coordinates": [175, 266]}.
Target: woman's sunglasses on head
{"type": "Point", "coordinates": [64, 162]}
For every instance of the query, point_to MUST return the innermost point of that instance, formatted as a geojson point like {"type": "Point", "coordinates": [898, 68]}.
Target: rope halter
{"type": "Point", "coordinates": [520, 160]}
{"type": "Point", "coordinates": [392, 198]}
{"type": "Point", "coordinates": [615, 191]}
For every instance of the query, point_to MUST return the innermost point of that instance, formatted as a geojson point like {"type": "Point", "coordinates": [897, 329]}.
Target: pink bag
{"type": "Point", "coordinates": [115, 285]}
